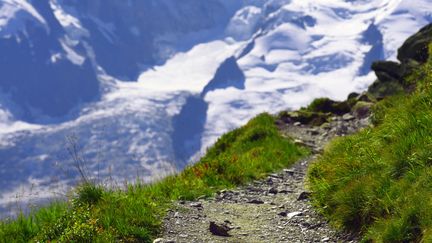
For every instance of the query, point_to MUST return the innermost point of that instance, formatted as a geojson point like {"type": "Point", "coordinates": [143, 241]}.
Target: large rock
{"type": "Point", "coordinates": [219, 229]}
{"type": "Point", "coordinates": [391, 75]}
{"type": "Point", "coordinates": [416, 47]}
{"type": "Point", "coordinates": [388, 70]}
{"type": "Point", "coordinates": [362, 109]}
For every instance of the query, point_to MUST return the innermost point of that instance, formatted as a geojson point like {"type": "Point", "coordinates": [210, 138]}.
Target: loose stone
{"type": "Point", "coordinates": [219, 229]}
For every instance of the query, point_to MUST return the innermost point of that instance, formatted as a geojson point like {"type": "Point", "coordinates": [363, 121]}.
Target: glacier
{"type": "Point", "coordinates": [145, 87]}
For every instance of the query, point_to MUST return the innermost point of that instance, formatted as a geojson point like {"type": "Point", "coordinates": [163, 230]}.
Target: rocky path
{"type": "Point", "coordinates": [275, 209]}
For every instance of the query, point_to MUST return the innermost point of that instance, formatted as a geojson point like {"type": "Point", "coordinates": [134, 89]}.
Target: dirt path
{"type": "Point", "coordinates": [275, 209]}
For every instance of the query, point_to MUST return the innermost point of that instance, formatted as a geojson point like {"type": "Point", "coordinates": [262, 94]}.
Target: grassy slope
{"type": "Point", "coordinates": [379, 181]}
{"type": "Point", "coordinates": [100, 215]}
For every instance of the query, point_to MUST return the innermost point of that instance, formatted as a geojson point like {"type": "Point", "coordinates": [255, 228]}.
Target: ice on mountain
{"type": "Point", "coordinates": [198, 69]}
{"type": "Point", "coordinates": [15, 14]}
{"type": "Point", "coordinates": [244, 23]}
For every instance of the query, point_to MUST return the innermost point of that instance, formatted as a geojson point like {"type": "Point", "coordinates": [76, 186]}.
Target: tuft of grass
{"type": "Point", "coordinates": [326, 105]}
{"type": "Point", "coordinates": [378, 181]}
{"type": "Point", "coordinates": [135, 214]}
{"type": "Point", "coordinates": [24, 228]}
{"type": "Point", "coordinates": [89, 193]}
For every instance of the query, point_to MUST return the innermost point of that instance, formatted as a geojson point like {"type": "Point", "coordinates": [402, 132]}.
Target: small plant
{"type": "Point", "coordinates": [326, 105]}
{"type": "Point", "coordinates": [89, 193]}
{"type": "Point", "coordinates": [75, 225]}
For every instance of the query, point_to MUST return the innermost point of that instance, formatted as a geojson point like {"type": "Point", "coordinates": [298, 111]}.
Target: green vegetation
{"type": "Point", "coordinates": [304, 117]}
{"type": "Point", "coordinates": [379, 181]}
{"type": "Point", "coordinates": [322, 109]}
{"type": "Point", "coordinates": [135, 214]}
{"type": "Point", "coordinates": [326, 105]}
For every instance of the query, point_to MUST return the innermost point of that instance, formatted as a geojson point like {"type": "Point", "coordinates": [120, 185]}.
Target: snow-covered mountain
{"type": "Point", "coordinates": [144, 86]}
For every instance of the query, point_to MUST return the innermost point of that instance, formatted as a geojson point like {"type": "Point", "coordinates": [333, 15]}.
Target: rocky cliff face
{"type": "Point", "coordinates": [391, 75]}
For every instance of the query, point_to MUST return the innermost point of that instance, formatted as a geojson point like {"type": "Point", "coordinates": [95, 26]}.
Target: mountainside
{"type": "Point", "coordinates": [377, 181]}
{"type": "Point", "coordinates": [196, 69]}
{"type": "Point", "coordinates": [49, 39]}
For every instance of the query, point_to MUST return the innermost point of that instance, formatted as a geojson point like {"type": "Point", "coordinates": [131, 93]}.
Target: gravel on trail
{"type": "Point", "coordinates": [274, 209]}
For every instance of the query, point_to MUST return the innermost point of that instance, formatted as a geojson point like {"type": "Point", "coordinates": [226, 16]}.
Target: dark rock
{"type": "Point", "coordinates": [273, 190]}
{"type": "Point", "coordinates": [314, 226]}
{"type": "Point", "coordinates": [362, 109]}
{"type": "Point", "coordinates": [341, 129]}
{"type": "Point", "coordinates": [285, 117]}
{"type": "Point", "coordinates": [416, 47]}
{"type": "Point", "coordinates": [390, 79]}
{"type": "Point", "coordinates": [313, 132]}
{"type": "Point", "coordinates": [222, 191]}
{"type": "Point", "coordinates": [283, 214]}
{"type": "Point", "coordinates": [289, 172]}
{"type": "Point", "coordinates": [256, 201]}
{"type": "Point", "coordinates": [254, 189]}
{"type": "Point", "coordinates": [391, 75]}
{"type": "Point", "coordinates": [388, 71]}
{"type": "Point", "coordinates": [269, 181]}
{"type": "Point", "coordinates": [219, 229]}
{"type": "Point", "coordinates": [365, 97]}
{"type": "Point", "coordinates": [304, 196]}
{"type": "Point", "coordinates": [353, 95]}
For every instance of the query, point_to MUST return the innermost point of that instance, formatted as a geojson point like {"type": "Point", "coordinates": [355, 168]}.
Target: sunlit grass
{"type": "Point", "coordinates": [379, 181]}
{"type": "Point", "coordinates": [135, 214]}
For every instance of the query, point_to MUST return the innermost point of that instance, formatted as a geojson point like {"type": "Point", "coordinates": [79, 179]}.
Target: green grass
{"type": "Point", "coordinates": [326, 105]}
{"type": "Point", "coordinates": [379, 181]}
{"type": "Point", "coordinates": [96, 214]}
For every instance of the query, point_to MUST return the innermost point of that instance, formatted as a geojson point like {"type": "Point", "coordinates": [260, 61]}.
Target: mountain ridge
{"type": "Point", "coordinates": [290, 52]}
